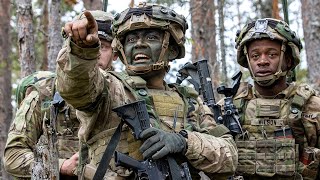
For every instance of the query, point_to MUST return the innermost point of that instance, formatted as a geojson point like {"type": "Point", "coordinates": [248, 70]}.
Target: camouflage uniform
{"type": "Point", "coordinates": [281, 133]}
{"type": "Point", "coordinates": [95, 93]}
{"type": "Point", "coordinates": [27, 127]}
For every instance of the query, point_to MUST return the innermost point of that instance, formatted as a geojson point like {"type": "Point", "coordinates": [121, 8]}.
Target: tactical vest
{"type": "Point", "coordinates": [67, 124]}
{"type": "Point", "coordinates": [167, 109]}
{"type": "Point", "coordinates": [273, 134]}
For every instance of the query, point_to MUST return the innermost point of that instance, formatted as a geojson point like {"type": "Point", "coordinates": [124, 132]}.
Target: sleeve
{"type": "Point", "coordinates": [22, 137]}
{"type": "Point", "coordinates": [311, 123]}
{"type": "Point", "coordinates": [79, 80]}
{"type": "Point", "coordinates": [214, 153]}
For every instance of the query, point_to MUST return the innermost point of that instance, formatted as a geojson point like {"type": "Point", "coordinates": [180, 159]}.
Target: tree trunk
{"type": "Point", "coordinates": [311, 30]}
{"type": "Point", "coordinates": [5, 79]}
{"type": "Point", "coordinates": [92, 4]}
{"type": "Point", "coordinates": [54, 33]}
{"type": "Point", "coordinates": [263, 8]}
{"type": "Point", "coordinates": [222, 44]}
{"type": "Point", "coordinates": [275, 9]}
{"type": "Point", "coordinates": [44, 28]}
{"type": "Point", "coordinates": [25, 37]}
{"type": "Point", "coordinates": [203, 35]}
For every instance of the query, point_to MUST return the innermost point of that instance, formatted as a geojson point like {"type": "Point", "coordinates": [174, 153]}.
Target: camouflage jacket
{"type": "Point", "coordinates": [281, 133]}
{"type": "Point", "coordinates": [26, 129]}
{"type": "Point", "coordinates": [81, 84]}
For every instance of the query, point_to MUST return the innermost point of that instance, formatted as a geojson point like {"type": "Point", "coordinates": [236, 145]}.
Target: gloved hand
{"type": "Point", "coordinates": [159, 143]}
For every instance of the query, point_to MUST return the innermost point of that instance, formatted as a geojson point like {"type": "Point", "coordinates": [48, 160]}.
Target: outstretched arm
{"type": "Point", "coordinates": [79, 79]}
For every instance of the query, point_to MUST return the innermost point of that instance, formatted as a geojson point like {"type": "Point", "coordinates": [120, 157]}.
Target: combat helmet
{"type": "Point", "coordinates": [149, 16]}
{"type": "Point", "coordinates": [104, 21]}
{"type": "Point", "coordinates": [273, 29]}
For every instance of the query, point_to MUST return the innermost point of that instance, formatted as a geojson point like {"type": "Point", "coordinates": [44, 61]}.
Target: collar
{"type": "Point", "coordinates": [285, 94]}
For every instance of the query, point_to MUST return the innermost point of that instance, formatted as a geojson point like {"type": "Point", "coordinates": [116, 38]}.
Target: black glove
{"type": "Point", "coordinates": [159, 143]}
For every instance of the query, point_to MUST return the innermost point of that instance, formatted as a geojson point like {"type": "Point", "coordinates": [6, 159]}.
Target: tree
{"type": "Point", "coordinates": [25, 37]}
{"type": "Point", "coordinates": [311, 30]}
{"type": "Point", "coordinates": [44, 30]}
{"type": "Point", "coordinates": [92, 4]}
{"type": "Point", "coordinates": [54, 32]}
{"type": "Point", "coordinates": [275, 9]}
{"type": "Point", "coordinates": [203, 35]}
{"type": "Point", "coordinates": [222, 44]}
{"type": "Point", "coordinates": [5, 78]}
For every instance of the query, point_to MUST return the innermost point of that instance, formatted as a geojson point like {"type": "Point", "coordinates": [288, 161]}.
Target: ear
{"type": "Point", "coordinates": [289, 60]}
{"type": "Point", "coordinates": [173, 52]}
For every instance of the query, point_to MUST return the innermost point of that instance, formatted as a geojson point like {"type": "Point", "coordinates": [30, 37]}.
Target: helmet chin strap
{"type": "Point", "coordinates": [160, 64]}
{"type": "Point", "coordinates": [270, 79]}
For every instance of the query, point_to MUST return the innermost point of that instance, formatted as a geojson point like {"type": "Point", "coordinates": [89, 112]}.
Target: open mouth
{"type": "Point", "coordinates": [138, 58]}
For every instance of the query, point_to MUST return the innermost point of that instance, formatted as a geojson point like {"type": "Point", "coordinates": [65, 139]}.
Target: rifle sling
{"type": "Point", "coordinates": [107, 155]}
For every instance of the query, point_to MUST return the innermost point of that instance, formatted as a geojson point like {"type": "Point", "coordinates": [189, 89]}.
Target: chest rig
{"type": "Point", "coordinates": [66, 122]}
{"type": "Point", "coordinates": [273, 133]}
{"type": "Point", "coordinates": [167, 108]}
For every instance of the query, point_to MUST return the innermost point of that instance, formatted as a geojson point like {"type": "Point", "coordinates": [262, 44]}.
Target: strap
{"type": "Point", "coordinates": [107, 155]}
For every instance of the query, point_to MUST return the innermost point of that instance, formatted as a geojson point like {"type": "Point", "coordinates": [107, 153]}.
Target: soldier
{"type": "Point", "coordinates": [33, 93]}
{"type": "Point", "coordinates": [146, 39]}
{"type": "Point", "coordinates": [280, 120]}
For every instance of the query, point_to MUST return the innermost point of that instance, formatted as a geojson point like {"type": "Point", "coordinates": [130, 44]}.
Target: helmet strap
{"type": "Point", "coordinates": [270, 79]}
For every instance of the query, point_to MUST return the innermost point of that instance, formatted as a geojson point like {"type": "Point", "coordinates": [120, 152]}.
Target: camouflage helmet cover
{"type": "Point", "coordinates": [151, 16]}
{"type": "Point", "coordinates": [268, 28]}
{"type": "Point", "coordinates": [104, 21]}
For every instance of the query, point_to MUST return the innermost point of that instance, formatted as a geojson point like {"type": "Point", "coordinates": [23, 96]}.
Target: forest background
{"type": "Point", "coordinates": [30, 38]}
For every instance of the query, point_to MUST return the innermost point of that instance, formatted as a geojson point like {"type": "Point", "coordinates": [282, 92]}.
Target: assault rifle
{"type": "Point", "coordinates": [136, 116]}
{"type": "Point", "coordinates": [230, 118]}
{"type": "Point", "coordinates": [231, 115]}
{"type": "Point", "coordinates": [207, 90]}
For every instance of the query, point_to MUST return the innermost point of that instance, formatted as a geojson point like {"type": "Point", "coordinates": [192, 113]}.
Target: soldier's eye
{"type": "Point", "coordinates": [131, 39]}
{"type": "Point", "coordinates": [255, 56]}
{"type": "Point", "coordinates": [151, 37]}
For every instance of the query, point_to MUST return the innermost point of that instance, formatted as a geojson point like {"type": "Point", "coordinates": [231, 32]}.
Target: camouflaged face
{"type": "Point", "coordinates": [151, 16]}
{"type": "Point", "coordinates": [268, 28]}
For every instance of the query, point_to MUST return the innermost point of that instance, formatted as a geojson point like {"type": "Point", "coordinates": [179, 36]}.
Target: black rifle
{"type": "Point", "coordinates": [231, 115]}
{"type": "Point", "coordinates": [207, 90]}
{"type": "Point", "coordinates": [136, 116]}
{"type": "Point", "coordinates": [230, 118]}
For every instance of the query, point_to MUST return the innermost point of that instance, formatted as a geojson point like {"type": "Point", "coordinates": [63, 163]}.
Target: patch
{"type": "Point", "coordinates": [267, 122]}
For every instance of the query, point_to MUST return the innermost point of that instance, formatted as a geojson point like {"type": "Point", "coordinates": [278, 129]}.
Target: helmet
{"type": "Point", "coordinates": [273, 29]}
{"type": "Point", "coordinates": [104, 21]}
{"type": "Point", "coordinates": [149, 16]}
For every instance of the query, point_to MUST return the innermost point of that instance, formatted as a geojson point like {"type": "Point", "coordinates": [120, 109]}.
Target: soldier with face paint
{"type": "Point", "coordinates": [146, 39]}
{"type": "Point", "coordinates": [280, 120]}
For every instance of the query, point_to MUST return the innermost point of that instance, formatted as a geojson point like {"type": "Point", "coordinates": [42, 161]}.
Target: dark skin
{"type": "Point", "coordinates": [264, 57]}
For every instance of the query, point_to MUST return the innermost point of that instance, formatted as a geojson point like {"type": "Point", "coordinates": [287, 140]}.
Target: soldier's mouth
{"type": "Point", "coordinates": [139, 58]}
